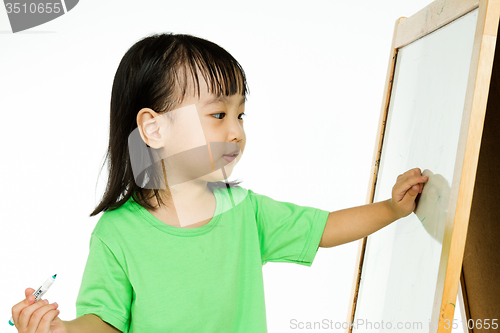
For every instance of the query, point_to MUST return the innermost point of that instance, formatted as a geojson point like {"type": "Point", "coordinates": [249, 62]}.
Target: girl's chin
{"type": "Point", "coordinates": [219, 175]}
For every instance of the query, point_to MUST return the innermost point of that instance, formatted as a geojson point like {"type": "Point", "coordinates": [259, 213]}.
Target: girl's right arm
{"type": "Point", "coordinates": [39, 317]}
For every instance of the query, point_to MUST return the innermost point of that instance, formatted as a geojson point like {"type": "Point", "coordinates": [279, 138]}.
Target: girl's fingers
{"type": "Point", "coordinates": [412, 173]}
{"type": "Point", "coordinates": [404, 185]}
{"type": "Point", "coordinates": [24, 315]}
{"type": "Point", "coordinates": [46, 320]}
{"type": "Point", "coordinates": [410, 196]}
{"type": "Point", "coordinates": [408, 185]}
{"type": "Point", "coordinates": [37, 315]}
{"type": "Point", "coordinates": [16, 309]}
{"type": "Point", "coordinates": [29, 291]}
{"type": "Point", "coordinates": [415, 181]}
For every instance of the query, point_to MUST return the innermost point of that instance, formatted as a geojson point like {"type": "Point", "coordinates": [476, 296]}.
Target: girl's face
{"type": "Point", "coordinates": [185, 132]}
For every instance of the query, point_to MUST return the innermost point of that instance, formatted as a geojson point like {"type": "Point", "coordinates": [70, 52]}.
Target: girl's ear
{"type": "Point", "coordinates": [149, 128]}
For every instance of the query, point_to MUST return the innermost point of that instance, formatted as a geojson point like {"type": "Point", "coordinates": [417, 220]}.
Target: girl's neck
{"type": "Point", "coordinates": [190, 204]}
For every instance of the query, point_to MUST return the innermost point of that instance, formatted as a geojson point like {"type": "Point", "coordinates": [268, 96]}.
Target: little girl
{"type": "Point", "coordinates": [177, 249]}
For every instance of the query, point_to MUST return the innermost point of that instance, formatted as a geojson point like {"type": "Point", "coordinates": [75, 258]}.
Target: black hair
{"type": "Point", "coordinates": [153, 74]}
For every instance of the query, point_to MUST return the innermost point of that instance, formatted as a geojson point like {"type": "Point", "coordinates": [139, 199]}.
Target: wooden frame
{"type": "Point", "coordinates": [406, 30]}
{"type": "Point", "coordinates": [481, 260]}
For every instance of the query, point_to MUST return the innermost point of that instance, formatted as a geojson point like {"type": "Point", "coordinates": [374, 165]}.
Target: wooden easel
{"type": "Point", "coordinates": [471, 244]}
{"type": "Point", "coordinates": [480, 278]}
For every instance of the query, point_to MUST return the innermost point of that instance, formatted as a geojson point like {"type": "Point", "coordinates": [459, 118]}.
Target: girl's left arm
{"type": "Point", "coordinates": [347, 225]}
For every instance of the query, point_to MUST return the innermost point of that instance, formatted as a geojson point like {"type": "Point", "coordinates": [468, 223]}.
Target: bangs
{"type": "Point", "coordinates": [222, 73]}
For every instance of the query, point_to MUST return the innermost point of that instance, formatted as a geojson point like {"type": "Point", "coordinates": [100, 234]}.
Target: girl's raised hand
{"type": "Point", "coordinates": [407, 187]}
{"type": "Point", "coordinates": [36, 317]}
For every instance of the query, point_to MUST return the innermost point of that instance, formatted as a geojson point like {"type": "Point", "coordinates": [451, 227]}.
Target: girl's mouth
{"type": "Point", "coordinates": [230, 157]}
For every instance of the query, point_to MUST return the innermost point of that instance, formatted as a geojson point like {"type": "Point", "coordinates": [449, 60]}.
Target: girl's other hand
{"type": "Point", "coordinates": [407, 187]}
{"type": "Point", "coordinates": [36, 317]}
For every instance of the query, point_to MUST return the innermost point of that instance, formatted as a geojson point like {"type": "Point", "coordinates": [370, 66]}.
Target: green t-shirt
{"type": "Point", "coordinates": [144, 276]}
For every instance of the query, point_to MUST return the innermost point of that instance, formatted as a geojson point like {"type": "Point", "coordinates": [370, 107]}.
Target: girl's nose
{"type": "Point", "coordinates": [235, 131]}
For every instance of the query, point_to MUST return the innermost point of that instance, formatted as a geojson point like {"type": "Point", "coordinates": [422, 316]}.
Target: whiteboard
{"type": "Point", "coordinates": [401, 262]}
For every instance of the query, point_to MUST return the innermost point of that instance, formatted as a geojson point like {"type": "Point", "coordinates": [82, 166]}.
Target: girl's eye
{"type": "Point", "coordinates": [215, 115]}
{"type": "Point", "coordinates": [223, 113]}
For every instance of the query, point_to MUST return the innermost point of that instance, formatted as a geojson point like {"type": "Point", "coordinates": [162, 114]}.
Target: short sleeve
{"type": "Point", "coordinates": [288, 232]}
{"type": "Point", "coordinates": [105, 289]}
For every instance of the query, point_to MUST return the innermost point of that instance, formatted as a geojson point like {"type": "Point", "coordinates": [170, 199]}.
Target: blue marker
{"type": "Point", "coordinates": [39, 292]}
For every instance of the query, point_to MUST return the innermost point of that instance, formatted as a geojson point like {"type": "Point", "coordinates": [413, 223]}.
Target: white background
{"type": "Point", "coordinates": [316, 72]}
